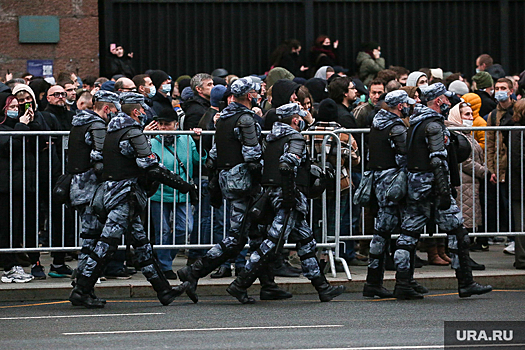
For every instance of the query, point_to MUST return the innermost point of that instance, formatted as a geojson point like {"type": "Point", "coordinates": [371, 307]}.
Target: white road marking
{"type": "Point", "coordinates": [204, 329]}
{"type": "Point", "coordinates": [77, 316]}
{"type": "Point", "coordinates": [416, 347]}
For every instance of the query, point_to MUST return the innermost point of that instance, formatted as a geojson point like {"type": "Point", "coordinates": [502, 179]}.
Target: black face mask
{"type": "Point", "coordinates": [327, 46]}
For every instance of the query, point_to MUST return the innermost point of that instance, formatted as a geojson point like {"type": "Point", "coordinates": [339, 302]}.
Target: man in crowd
{"type": "Point", "coordinates": [484, 89]}
{"type": "Point", "coordinates": [194, 108]}
{"type": "Point", "coordinates": [342, 90]}
{"type": "Point", "coordinates": [364, 114]}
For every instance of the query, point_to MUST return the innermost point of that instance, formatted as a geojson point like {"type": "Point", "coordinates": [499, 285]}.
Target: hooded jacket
{"type": "Point", "coordinates": [282, 92]}
{"type": "Point", "coordinates": [475, 104]}
{"type": "Point", "coordinates": [495, 148]}
{"type": "Point", "coordinates": [368, 66]}
{"type": "Point", "coordinates": [194, 109]}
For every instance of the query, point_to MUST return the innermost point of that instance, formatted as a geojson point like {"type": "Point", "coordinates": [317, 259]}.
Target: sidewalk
{"type": "Point", "coordinates": [499, 273]}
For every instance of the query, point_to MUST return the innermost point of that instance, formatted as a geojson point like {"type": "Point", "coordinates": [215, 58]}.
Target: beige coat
{"type": "Point", "coordinates": [468, 192]}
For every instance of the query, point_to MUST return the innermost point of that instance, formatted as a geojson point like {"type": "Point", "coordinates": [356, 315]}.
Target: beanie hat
{"type": "Point", "coordinates": [317, 88]}
{"type": "Point", "coordinates": [186, 93]}
{"type": "Point", "coordinates": [496, 71]}
{"type": "Point", "coordinates": [458, 87]}
{"type": "Point", "coordinates": [437, 72]}
{"type": "Point", "coordinates": [108, 86]}
{"type": "Point", "coordinates": [327, 111]}
{"type": "Point", "coordinates": [24, 87]}
{"type": "Point", "coordinates": [276, 74]}
{"type": "Point", "coordinates": [182, 77]}
{"type": "Point", "coordinates": [216, 95]}
{"type": "Point", "coordinates": [167, 114]}
{"type": "Point", "coordinates": [414, 77]}
{"type": "Point", "coordinates": [158, 77]}
{"type": "Point", "coordinates": [483, 80]}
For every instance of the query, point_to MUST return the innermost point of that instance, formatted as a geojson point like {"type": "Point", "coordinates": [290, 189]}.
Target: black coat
{"type": "Point", "coordinates": [488, 104]}
{"type": "Point", "coordinates": [121, 65]}
{"type": "Point", "coordinates": [345, 117]}
{"type": "Point", "coordinates": [194, 109]}
{"type": "Point", "coordinates": [160, 102]}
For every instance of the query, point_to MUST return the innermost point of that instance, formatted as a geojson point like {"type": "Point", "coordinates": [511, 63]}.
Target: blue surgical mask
{"type": "Point", "coordinates": [12, 114]}
{"type": "Point", "coordinates": [166, 88]}
{"type": "Point", "coordinates": [501, 96]}
{"type": "Point", "coordinates": [152, 91]}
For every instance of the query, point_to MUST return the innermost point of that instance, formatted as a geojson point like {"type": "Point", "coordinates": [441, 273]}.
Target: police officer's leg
{"type": "Point", "coordinates": [106, 246]}
{"type": "Point", "coordinates": [306, 248]}
{"type": "Point", "coordinates": [282, 224]}
{"type": "Point", "coordinates": [387, 221]}
{"type": "Point", "coordinates": [149, 264]}
{"type": "Point", "coordinates": [228, 248]}
{"type": "Point", "coordinates": [451, 221]}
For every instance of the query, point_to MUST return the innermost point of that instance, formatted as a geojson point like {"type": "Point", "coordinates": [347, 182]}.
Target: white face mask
{"type": "Point", "coordinates": [423, 86]}
{"type": "Point", "coordinates": [468, 122]}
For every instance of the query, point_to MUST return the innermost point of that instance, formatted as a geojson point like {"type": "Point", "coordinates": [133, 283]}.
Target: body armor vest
{"type": "Point", "coordinates": [79, 154]}
{"type": "Point", "coordinates": [382, 155]}
{"type": "Point", "coordinates": [271, 175]}
{"type": "Point", "coordinates": [418, 153]}
{"type": "Point", "coordinates": [116, 165]}
{"type": "Point", "coordinates": [229, 148]}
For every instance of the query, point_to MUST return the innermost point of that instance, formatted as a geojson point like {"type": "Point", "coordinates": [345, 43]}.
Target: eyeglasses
{"type": "Point", "coordinates": [59, 94]}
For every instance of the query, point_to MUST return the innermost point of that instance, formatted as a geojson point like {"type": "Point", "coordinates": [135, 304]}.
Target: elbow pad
{"type": "Point", "coordinates": [99, 135]}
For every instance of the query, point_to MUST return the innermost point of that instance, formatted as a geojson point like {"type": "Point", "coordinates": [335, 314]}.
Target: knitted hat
{"type": "Point", "coordinates": [216, 95]}
{"type": "Point", "coordinates": [186, 93]}
{"type": "Point", "coordinates": [317, 88]}
{"type": "Point", "coordinates": [276, 74]}
{"type": "Point", "coordinates": [158, 77]}
{"type": "Point", "coordinates": [327, 111]}
{"type": "Point", "coordinates": [108, 86]}
{"type": "Point", "coordinates": [24, 87]}
{"type": "Point", "coordinates": [414, 77]}
{"type": "Point", "coordinates": [483, 80]}
{"type": "Point", "coordinates": [458, 87]}
{"type": "Point", "coordinates": [167, 114]}
{"type": "Point", "coordinates": [437, 72]}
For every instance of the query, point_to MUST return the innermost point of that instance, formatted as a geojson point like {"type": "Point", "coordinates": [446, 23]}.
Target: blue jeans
{"type": "Point", "coordinates": [161, 217]}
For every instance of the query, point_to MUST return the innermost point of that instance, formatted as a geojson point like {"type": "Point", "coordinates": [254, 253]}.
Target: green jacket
{"type": "Point", "coordinates": [186, 149]}
{"type": "Point", "coordinates": [368, 67]}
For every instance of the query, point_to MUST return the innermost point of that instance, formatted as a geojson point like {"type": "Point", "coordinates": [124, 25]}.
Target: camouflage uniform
{"type": "Point", "coordinates": [429, 196]}
{"type": "Point", "coordinates": [286, 146]}
{"type": "Point", "coordinates": [121, 201]}
{"type": "Point", "coordinates": [387, 158]}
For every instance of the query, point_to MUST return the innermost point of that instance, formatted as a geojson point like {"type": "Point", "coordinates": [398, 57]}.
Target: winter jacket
{"type": "Point", "coordinates": [160, 102]}
{"type": "Point", "coordinates": [488, 104]}
{"type": "Point", "coordinates": [475, 104]}
{"type": "Point", "coordinates": [496, 143]}
{"type": "Point", "coordinates": [194, 109]}
{"type": "Point", "coordinates": [121, 65]}
{"type": "Point", "coordinates": [368, 67]}
{"type": "Point", "coordinates": [468, 192]}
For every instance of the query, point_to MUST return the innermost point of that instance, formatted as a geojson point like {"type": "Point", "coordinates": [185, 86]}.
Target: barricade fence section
{"type": "Point", "coordinates": [490, 194]}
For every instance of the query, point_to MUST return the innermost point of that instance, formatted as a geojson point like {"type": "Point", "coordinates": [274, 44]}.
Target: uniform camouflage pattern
{"type": "Point", "coordinates": [238, 202]}
{"type": "Point", "coordinates": [433, 91]}
{"type": "Point", "coordinates": [420, 206]}
{"type": "Point", "coordinates": [123, 201]}
{"type": "Point", "coordinates": [242, 86]}
{"type": "Point", "coordinates": [290, 109]}
{"type": "Point", "coordinates": [133, 98]}
{"type": "Point", "coordinates": [398, 96]}
{"type": "Point", "coordinates": [107, 96]}
{"type": "Point", "coordinates": [297, 228]}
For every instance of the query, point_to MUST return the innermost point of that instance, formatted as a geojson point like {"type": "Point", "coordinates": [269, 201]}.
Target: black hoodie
{"type": "Point", "coordinates": [282, 90]}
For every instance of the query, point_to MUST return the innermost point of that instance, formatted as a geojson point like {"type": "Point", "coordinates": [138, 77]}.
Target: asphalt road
{"type": "Point", "coordinates": [350, 322]}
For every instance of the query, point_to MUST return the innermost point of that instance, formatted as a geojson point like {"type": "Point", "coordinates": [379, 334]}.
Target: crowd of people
{"type": "Point", "coordinates": [211, 185]}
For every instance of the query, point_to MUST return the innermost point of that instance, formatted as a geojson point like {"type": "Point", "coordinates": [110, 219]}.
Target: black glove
{"type": "Point", "coordinates": [194, 195]}
{"type": "Point", "coordinates": [288, 186]}
{"type": "Point", "coordinates": [210, 164]}
{"type": "Point", "coordinates": [444, 201]}
{"type": "Point", "coordinates": [453, 192]}
{"type": "Point", "coordinates": [255, 168]}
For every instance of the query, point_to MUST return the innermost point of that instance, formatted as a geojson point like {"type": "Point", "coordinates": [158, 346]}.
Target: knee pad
{"type": "Point", "coordinates": [307, 256]}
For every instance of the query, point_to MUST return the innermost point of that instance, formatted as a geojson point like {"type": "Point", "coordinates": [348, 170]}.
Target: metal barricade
{"type": "Point", "coordinates": [44, 226]}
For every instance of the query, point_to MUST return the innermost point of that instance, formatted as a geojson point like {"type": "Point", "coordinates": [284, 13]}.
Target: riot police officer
{"type": "Point", "coordinates": [129, 167]}
{"type": "Point", "coordinates": [86, 141]}
{"type": "Point", "coordinates": [387, 159]}
{"type": "Point", "coordinates": [286, 176]}
{"type": "Point", "coordinates": [236, 154]}
{"type": "Point", "coordinates": [429, 194]}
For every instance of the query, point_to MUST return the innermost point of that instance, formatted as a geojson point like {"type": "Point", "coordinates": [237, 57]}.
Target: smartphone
{"type": "Point", "coordinates": [27, 106]}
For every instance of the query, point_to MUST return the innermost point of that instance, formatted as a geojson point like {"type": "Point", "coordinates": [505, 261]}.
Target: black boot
{"type": "Point", "coordinates": [325, 290]}
{"type": "Point", "coordinates": [82, 294]}
{"type": "Point", "coordinates": [238, 288]}
{"type": "Point", "coordinates": [466, 285]}
{"type": "Point", "coordinates": [92, 293]}
{"type": "Point", "coordinates": [201, 268]}
{"type": "Point", "coordinates": [165, 292]}
{"type": "Point", "coordinates": [413, 283]}
{"type": "Point", "coordinates": [269, 289]}
{"type": "Point", "coordinates": [374, 278]}
{"type": "Point", "coordinates": [403, 290]}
